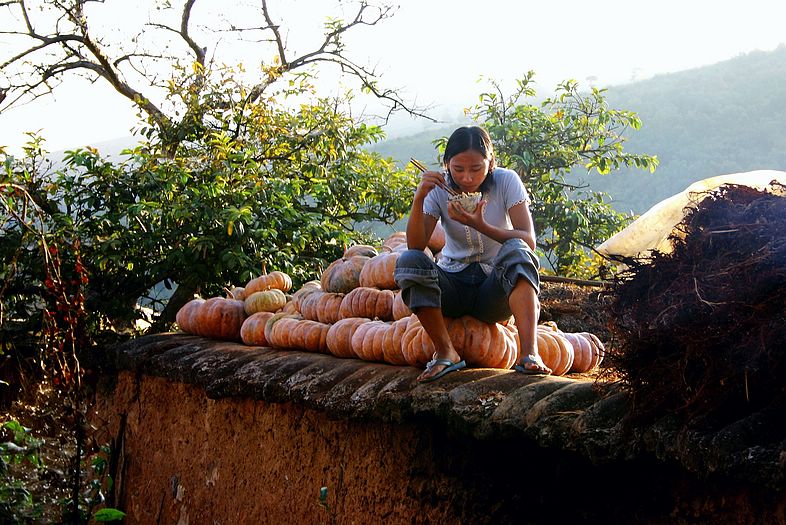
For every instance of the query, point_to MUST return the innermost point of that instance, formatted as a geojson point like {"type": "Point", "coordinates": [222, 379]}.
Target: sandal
{"type": "Point", "coordinates": [529, 359]}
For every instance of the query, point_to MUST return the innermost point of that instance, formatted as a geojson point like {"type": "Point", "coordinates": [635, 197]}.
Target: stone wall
{"type": "Point", "coordinates": [212, 432]}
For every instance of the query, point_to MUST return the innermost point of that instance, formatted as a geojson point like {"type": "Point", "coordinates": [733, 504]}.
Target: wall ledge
{"type": "Point", "coordinates": [560, 413]}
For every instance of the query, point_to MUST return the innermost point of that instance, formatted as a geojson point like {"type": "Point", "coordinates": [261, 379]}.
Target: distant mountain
{"type": "Point", "coordinates": [729, 117]}
{"type": "Point", "coordinates": [725, 118]}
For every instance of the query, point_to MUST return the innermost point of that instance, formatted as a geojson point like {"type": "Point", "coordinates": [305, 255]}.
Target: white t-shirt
{"type": "Point", "coordinates": [465, 245]}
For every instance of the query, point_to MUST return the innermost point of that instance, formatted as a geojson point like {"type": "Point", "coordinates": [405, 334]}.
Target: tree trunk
{"type": "Point", "coordinates": [183, 293]}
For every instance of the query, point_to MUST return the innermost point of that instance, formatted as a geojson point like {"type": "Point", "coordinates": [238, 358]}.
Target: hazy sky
{"type": "Point", "coordinates": [436, 50]}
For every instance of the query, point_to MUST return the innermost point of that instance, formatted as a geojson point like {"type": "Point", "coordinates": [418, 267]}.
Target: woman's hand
{"type": "Point", "coordinates": [428, 181]}
{"type": "Point", "coordinates": [473, 219]}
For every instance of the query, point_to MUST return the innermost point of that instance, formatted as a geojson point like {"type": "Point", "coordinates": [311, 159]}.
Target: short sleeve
{"type": "Point", "coordinates": [431, 203]}
{"type": "Point", "coordinates": [513, 189]}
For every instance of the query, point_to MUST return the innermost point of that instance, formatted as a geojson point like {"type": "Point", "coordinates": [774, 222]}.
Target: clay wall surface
{"type": "Point", "coordinates": [211, 432]}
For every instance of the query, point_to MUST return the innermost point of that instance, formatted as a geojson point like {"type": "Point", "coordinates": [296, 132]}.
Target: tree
{"type": "Point", "coordinates": [543, 143]}
{"type": "Point", "coordinates": [237, 170]}
{"type": "Point", "coordinates": [288, 193]}
{"type": "Point", "coordinates": [50, 40]}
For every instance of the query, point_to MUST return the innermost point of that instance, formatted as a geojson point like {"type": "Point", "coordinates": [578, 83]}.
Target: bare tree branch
{"type": "Point", "coordinates": [58, 39]}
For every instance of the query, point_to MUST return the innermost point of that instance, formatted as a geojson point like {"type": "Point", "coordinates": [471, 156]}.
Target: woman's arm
{"type": "Point", "coordinates": [420, 225]}
{"type": "Point", "coordinates": [520, 219]}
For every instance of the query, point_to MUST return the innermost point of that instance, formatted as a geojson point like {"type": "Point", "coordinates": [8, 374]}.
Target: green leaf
{"type": "Point", "coordinates": [108, 514]}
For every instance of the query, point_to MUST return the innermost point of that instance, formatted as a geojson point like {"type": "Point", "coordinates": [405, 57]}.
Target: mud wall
{"type": "Point", "coordinates": [207, 432]}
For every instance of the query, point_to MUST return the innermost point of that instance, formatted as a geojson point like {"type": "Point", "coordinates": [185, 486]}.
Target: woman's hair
{"type": "Point", "coordinates": [470, 138]}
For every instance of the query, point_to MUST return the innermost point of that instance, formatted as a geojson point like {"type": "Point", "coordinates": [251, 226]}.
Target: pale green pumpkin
{"type": "Point", "coordinates": [265, 301]}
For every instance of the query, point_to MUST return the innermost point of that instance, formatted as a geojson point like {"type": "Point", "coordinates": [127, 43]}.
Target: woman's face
{"type": "Point", "coordinates": [469, 170]}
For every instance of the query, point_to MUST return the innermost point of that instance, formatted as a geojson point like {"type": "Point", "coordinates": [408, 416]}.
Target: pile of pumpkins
{"type": "Point", "coordinates": [356, 311]}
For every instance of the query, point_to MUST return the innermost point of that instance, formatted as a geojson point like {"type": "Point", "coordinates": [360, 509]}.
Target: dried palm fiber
{"type": "Point", "coordinates": [701, 332]}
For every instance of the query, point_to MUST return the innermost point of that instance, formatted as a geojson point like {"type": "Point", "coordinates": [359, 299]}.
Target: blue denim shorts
{"type": "Point", "coordinates": [471, 291]}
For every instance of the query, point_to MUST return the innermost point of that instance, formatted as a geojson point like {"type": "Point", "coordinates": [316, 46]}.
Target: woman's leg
{"type": "Point", "coordinates": [524, 303]}
{"type": "Point", "coordinates": [423, 288]}
{"type": "Point", "coordinates": [434, 324]}
{"type": "Point", "coordinates": [513, 288]}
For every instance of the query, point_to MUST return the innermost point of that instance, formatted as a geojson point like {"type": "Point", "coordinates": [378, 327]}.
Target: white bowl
{"type": "Point", "coordinates": [468, 201]}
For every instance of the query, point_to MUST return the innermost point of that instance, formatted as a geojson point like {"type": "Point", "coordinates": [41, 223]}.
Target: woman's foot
{"type": "Point", "coordinates": [438, 364]}
{"type": "Point", "coordinates": [533, 364]}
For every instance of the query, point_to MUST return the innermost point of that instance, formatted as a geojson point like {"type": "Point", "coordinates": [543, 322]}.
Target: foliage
{"type": "Point", "coordinates": [249, 184]}
{"type": "Point", "coordinates": [543, 143]}
{"type": "Point", "coordinates": [16, 501]}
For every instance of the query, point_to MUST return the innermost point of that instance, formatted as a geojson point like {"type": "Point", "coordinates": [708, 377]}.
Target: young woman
{"type": "Point", "coordinates": [488, 268]}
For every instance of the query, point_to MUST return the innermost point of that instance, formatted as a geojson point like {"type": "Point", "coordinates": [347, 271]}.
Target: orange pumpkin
{"type": "Point", "coordinates": [391, 343]}
{"type": "Point", "coordinates": [310, 335]}
{"type": "Point", "coordinates": [588, 351]}
{"type": "Point", "coordinates": [214, 318]}
{"type": "Point", "coordinates": [267, 281]}
{"type": "Point", "coordinates": [396, 241]}
{"type": "Point", "coordinates": [360, 249]}
{"type": "Point", "coordinates": [322, 306]}
{"type": "Point", "coordinates": [367, 302]}
{"type": "Point", "coordinates": [480, 344]}
{"type": "Point", "coordinates": [380, 341]}
{"type": "Point", "coordinates": [186, 316]}
{"type": "Point", "coordinates": [400, 308]}
{"type": "Point", "coordinates": [307, 288]}
{"type": "Point", "coordinates": [367, 339]}
{"type": "Point", "coordinates": [252, 332]}
{"type": "Point", "coordinates": [555, 350]}
{"type": "Point", "coordinates": [292, 332]}
{"type": "Point", "coordinates": [339, 336]}
{"type": "Point", "coordinates": [343, 275]}
{"type": "Point", "coordinates": [237, 292]}
{"type": "Point", "coordinates": [378, 271]}
{"type": "Point", "coordinates": [598, 349]}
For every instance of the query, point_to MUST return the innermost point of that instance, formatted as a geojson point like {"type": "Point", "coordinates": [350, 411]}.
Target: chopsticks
{"type": "Point", "coordinates": [419, 165]}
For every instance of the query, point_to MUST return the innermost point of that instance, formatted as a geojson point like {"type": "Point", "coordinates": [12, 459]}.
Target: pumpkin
{"type": "Point", "coordinates": [378, 271]}
{"type": "Point", "coordinates": [380, 341]}
{"type": "Point", "coordinates": [416, 346]}
{"type": "Point", "coordinates": [367, 302]}
{"type": "Point", "coordinates": [588, 351]}
{"type": "Point", "coordinates": [272, 324]}
{"type": "Point", "coordinates": [480, 344]}
{"type": "Point", "coordinates": [267, 301]}
{"type": "Point", "coordinates": [214, 318]}
{"type": "Point", "coordinates": [360, 249]}
{"type": "Point", "coordinates": [267, 281]}
{"type": "Point", "coordinates": [237, 292]}
{"type": "Point", "coordinates": [252, 332]}
{"type": "Point", "coordinates": [321, 306]}
{"type": "Point", "coordinates": [598, 349]}
{"type": "Point", "coordinates": [400, 308]}
{"type": "Point", "coordinates": [395, 242]}
{"type": "Point", "coordinates": [391, 343]}
{"type": "Point", "coordinates": [555, 350]}
{"type": "Point", "coordinates": [366, 340]}
{"type": "Point", "coordinates": [290, 308]}
{"type": "Point", "coordinates": [185, 317]}
{"type": "Point", "coordinates": [339, 336]}
{"type": "Point", "coordinates": [307, 288]}
{"type": "Point", "coordinates": [343, 275]}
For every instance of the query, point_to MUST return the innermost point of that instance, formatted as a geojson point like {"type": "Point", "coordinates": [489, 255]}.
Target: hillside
{"type": "Point", "coordinates": [714, 120]}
